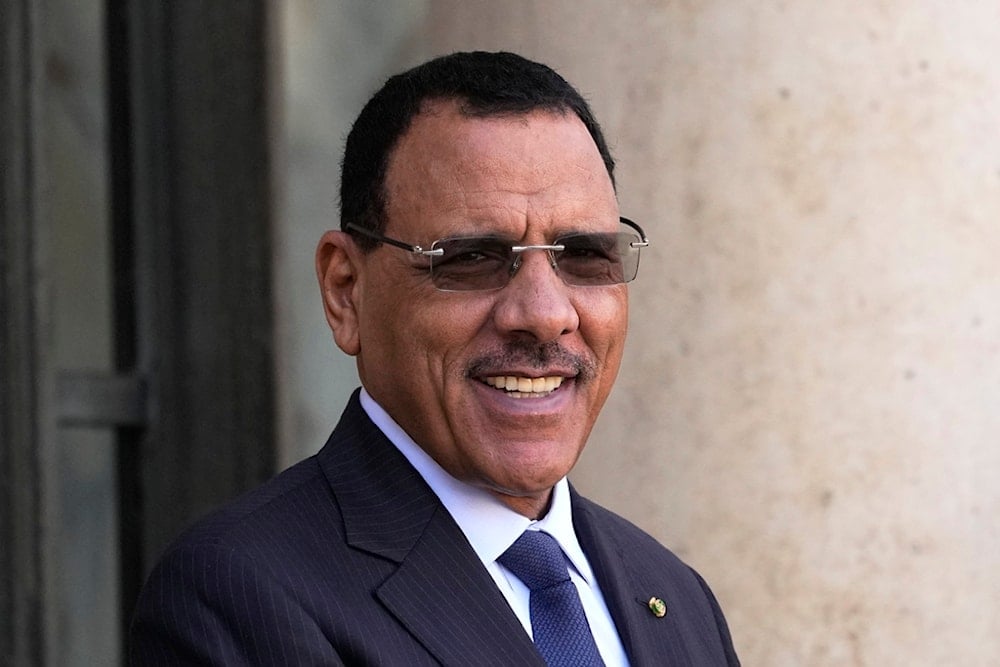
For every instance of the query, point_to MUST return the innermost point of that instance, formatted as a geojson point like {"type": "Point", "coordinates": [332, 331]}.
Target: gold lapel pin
{"type": "Point", "coordinates": [658, 607]}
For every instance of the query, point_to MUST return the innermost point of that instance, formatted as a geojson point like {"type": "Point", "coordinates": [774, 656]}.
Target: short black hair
{"type": "Point", "coordinates": [484, 84]}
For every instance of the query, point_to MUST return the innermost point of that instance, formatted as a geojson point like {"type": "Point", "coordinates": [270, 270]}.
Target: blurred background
{"type": "Point", "coordinates": [809, 407]}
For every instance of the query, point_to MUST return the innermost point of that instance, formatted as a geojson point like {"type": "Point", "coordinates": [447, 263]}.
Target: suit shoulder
{"type": "Point", "coordinates": [622, 530]}
{"type": "Point", "coordinates": [280, 505]}
{"type": "Point", "coordinates": [234, 586]}
{"type": "Point", "coordinates": [614, 543]}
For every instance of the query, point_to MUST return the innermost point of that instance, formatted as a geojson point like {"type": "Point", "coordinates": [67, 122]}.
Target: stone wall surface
{"type": "Point", "coordinates": [808, 408]}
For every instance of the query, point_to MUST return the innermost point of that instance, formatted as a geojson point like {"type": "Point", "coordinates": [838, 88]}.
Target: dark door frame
{"type": "Point", "coordinates": [192, 400]}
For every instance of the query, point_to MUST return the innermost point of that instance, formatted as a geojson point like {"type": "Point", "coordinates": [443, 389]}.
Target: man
{"type": "Point", "coordinates": [479, 280]}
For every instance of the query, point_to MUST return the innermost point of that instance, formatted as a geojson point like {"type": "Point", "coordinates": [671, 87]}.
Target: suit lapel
{"type": "Point", "coordinates": [617, 587]}
{"type": "Point", "coordinates": [440, 592]}
{"type": "Point", "coordinates": [445, 597]}
{"type": "Point", "coordinates": [648, 640]}
{"type": "Point", "coordinates": [631, 569]}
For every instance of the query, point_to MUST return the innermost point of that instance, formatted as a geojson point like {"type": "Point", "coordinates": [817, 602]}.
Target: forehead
{"type": "Point", "coordinates": [452, 173]}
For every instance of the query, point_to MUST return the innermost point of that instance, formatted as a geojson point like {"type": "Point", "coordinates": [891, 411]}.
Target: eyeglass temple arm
{"type": "Point", "coordinates": [417, 250]}
{"type": "Point", "coordinates": [644, 243]}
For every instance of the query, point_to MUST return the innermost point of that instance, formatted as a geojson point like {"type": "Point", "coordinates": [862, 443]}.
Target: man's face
{"type": "Point", "coordinates": [433, 359]}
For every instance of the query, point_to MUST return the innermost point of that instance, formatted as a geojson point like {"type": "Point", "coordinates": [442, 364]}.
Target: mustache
{"type": "Point", "coordinates": [533, 355]}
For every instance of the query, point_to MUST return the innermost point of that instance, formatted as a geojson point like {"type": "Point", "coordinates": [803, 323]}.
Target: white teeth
{"type": "Point", "coordinates": [521, 387]}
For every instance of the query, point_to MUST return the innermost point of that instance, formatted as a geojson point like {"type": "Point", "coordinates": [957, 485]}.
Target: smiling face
{"type": "Point", "coordinates": [500, 387]}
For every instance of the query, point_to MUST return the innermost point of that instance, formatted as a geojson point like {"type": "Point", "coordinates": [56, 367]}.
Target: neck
{"type": "Point", "coordinates": [533, 507]}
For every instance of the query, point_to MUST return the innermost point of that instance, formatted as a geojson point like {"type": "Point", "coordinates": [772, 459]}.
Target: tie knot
{"type": "Point", "coordinates": [536, 559]}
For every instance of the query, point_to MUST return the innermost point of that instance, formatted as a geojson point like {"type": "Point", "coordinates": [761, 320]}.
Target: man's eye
{"type": "Point", "coordinates": [463, 259]}
{"type": "Point", "coordinates": [473, 253]}
{"type": "Point", "coordinates": [590, 248]}
{"type": "Point", "coordinates": [471, 256]}
{"type": "Point", "coordinates": [584, 252]}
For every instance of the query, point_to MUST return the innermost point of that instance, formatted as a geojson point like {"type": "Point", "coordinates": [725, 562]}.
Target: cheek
{"type": "Point", "coordinates": [428, 333]}
{"type": "Point", "coordinates": [604, 324]}
{"type": "Point", "coordinates": [389, 313]}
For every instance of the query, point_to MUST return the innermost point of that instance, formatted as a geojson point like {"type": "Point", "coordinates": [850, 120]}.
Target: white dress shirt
{"type": "Point", "coordinates": [491, 527]}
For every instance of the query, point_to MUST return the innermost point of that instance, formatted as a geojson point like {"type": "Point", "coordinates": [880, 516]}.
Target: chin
{"type": "Point", "coordinates": [533, 478]}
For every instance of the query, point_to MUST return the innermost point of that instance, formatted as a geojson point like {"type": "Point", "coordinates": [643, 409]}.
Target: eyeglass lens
{"type": "Point", "coordinates": [484, 263]}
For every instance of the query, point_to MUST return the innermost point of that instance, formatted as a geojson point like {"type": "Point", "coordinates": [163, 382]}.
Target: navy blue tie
{"type": "Point", "coordinates": [558, 623]}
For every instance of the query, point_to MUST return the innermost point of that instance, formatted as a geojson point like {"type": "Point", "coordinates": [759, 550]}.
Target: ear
{"type": "Point", "coordinates": [337, 268]}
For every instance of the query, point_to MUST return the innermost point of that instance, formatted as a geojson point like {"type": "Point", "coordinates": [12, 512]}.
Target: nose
{"type": "Point", "coordinates": [536, 302]}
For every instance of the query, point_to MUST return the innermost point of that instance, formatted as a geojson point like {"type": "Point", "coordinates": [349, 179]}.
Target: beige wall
{"type": "Point", "coordinates": [809, 410]}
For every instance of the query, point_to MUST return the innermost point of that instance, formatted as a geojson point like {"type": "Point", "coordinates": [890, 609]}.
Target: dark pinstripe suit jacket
{"type": "Point", "coordinates": [349, 558]}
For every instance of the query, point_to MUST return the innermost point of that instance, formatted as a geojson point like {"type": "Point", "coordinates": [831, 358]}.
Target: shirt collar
{"type": "Point", "coordinates": [489, 525]}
